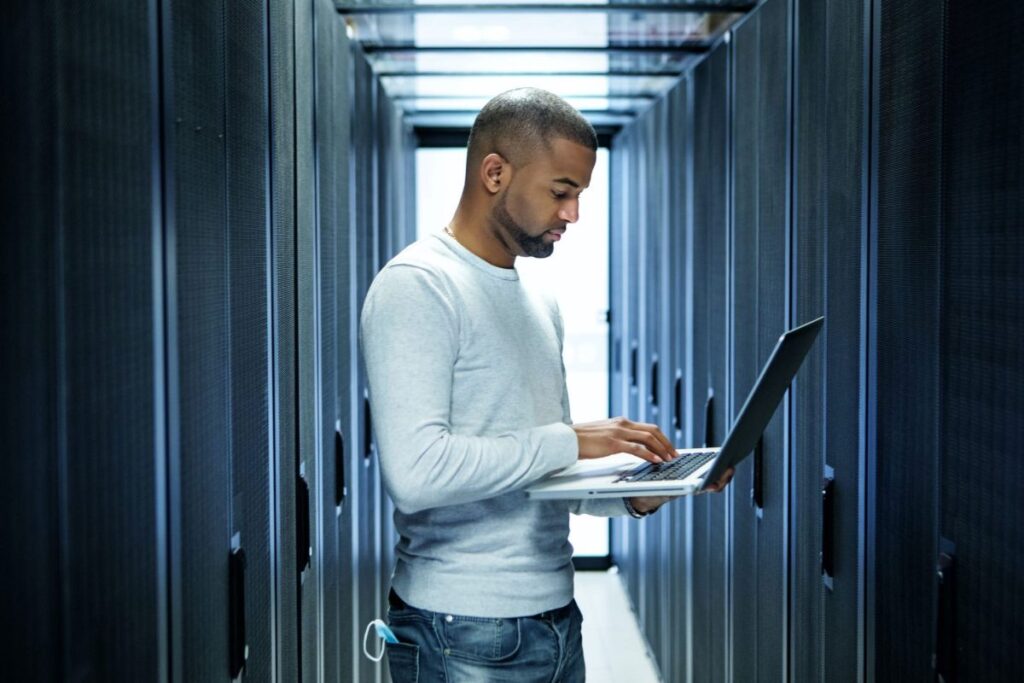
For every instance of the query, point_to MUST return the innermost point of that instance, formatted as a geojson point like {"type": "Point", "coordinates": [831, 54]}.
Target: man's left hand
{"type": "Point", "coordinates": [647, 504]}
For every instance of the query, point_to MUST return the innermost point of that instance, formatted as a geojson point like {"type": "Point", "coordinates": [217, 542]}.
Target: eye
{"type": "Point", "coordinates": [557, 194]}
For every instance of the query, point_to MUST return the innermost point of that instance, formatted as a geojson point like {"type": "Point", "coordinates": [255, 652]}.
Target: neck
{"type": "Point", "coordinates": [474, 230]}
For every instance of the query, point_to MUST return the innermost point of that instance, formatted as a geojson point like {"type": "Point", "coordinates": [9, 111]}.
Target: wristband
{"type": "Point", "coordinates": [633, 512]}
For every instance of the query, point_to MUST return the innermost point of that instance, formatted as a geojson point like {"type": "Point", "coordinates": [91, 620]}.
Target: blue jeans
{"type": "Point", "coordinates": [448, 648]}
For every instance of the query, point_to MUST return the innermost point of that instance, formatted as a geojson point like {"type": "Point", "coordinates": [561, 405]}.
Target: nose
{"type": "Point", "coordinates": [570, 211]}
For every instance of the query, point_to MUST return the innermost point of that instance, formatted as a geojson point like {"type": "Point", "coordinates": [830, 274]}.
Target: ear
{"type": "Point", "coordinates": [495, 172]}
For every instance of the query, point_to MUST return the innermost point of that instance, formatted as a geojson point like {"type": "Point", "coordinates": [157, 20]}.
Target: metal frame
{"type": "Point", "coordinates": [868, 340]}
{"type": "Point", "coordinates": [384, 73]}
{"type": "Point", "coordinates": [162, 222]}
{"type": "Point", "coordinates": [648, 96]}
{"type": "Point", "coordinates": [348, 9]}
{"type": "Point", "coordinates": [401, 48]}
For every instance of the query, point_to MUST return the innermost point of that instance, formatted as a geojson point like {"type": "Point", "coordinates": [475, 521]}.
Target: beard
{"type": "Point", "coordinates": [530, 245]}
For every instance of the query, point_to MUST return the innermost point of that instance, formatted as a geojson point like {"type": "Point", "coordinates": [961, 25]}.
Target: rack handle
{"type": "Point", "coordinates": [757, 488]}
{"type": "Point", "coordinates": [238, 648]}
{"type": "Point", "coordinates": [304, 548]}
{"type": "Point", "coordinates": [654, 383]}
{"type": "Point", "coordinates": [677, 412]}
{"type": "Point", "coordinates": [828, 510]}
{"type": "Point", "coordinates": [709, 419]}
{"type": "Point", "coordinates": [340, 489]}
{"type": "Point", "coordinates": [944, 653]}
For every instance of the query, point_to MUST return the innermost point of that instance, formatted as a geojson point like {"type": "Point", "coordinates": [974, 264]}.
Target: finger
{"type": "Point", "coordinates": [666, 446]}
{"type": "Point", "coordinates": [669, 446]}
{"type": "Point", "coordinates": [727, 477]}
{"type": "Point", "coordinates": [720, 485]}
{"type": "Point", "coordinates": [639, 450]}
{"type": "Point", "coordinates": [647, 439]}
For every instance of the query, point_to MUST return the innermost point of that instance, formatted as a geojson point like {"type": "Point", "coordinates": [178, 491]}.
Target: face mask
{"type": "Point", "coordinates": [384, 633]}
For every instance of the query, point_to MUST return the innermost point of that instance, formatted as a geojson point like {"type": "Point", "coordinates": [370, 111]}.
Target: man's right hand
{"type": "Point", "coordinates": [619, 435]}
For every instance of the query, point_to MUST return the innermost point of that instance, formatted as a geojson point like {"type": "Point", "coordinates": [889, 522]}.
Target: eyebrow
{"type": "Point", "coordinates": [567, 181]}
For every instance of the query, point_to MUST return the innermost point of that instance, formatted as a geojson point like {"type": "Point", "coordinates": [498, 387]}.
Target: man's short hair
{"type": "Point", "coordinates": [518, 123]}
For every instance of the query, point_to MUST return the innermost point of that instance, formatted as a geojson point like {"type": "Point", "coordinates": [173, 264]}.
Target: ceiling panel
{"type": "Point", "coordinates": [521, 29]}
{"type": "Point", "coordinates": [538, 61]}
{"type": "Point", "coordinates": [488, 86]}
{"type": "Point", "coordinates": [623, 105]}
{"type": "Point", "coordinates": [445, 58]}
{"type": "Point", "coordinates": [424, 6]}
{"type": "Point", "coordinates": [600, 119]}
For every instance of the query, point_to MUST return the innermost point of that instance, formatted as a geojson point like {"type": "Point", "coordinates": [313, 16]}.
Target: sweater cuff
{"type": "Point", "coordinates": [559, 445]}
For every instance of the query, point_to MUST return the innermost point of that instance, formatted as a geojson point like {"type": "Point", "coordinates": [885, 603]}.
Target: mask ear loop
{"type": "Point", "coordinates": [384, 633]}
{"type": "Point", "coordinates": [383, 644]}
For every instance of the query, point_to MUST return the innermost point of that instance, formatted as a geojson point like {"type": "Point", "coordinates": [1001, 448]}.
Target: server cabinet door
{"type": "Point", "coordinates": [906, 312]}
{"type": "Point", "coordinates": [618, 275]}
{"type": "Point", "coordinates": [310, 456]}
{"type": "Point", "coordinates": [633, 302]}
{"type": "Point", "coordinates": [710, 390]}
{"type": "Point", "coordinates": [248, 240]}
{"type": "Point", "coordinates": [679, 174]}
{"type": "Point", "coordinates": [617, 350]}
{"type": "Point", "coordinates": [647, 234]}
{"type": "Point", "coordinates": [199, 327]}
{"type": "Point", "coordinates": [282, 220]}
{"type": "Point", "coordinates": [345, 450]}
{"type": "Point", "coordinates": [949, 250]}
{"type": "Point", "coordinates": [220, 368]}
{"type": "Point", "coordinates": [367, 160]}
{"type": "Point", "coordinates": [828, 220]}
{"type": "Point", "coordinates": [982, 409]}
{"type": "Point", "coordinates": [82, 420]}
{"type": "Point", "coordinates": [332, 335]}
{"type": "Point", "coordinates": [761, 234]}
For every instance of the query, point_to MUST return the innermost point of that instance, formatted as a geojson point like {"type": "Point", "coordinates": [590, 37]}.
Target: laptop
{"type": "Point", "coordinates": [623, 474]}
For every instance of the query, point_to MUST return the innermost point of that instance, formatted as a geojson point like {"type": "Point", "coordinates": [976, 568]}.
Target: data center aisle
{"type": "Point", "coordinates": [612, 644]}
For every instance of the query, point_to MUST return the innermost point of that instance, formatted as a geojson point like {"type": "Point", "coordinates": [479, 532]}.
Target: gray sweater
{"type": "Point", "coordinates": [467, 389]}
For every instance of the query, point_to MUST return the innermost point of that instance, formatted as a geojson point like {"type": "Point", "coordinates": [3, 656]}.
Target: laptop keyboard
{"type": "Point", "coordinates": [680, 468]}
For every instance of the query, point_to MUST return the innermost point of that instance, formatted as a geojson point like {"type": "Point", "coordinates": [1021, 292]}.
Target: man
{"type": "Point", "coordinates": [469, 402]}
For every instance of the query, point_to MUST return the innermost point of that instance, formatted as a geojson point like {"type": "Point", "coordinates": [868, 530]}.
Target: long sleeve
{"type": "Point", "coordinates": [410, 334]}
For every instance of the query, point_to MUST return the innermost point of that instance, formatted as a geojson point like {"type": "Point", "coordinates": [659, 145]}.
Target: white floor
{"type": "Point", "coordinates": [612, 644]}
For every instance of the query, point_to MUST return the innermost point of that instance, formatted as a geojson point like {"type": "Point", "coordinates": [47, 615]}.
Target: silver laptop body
{"type": "Point", "coordinates": [615, 476]}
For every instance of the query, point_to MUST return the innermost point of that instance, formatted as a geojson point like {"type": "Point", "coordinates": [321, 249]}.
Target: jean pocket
{"type": "Point", "coordinates": [404, 662]}
{"type": "Point", "coordinates": [481, 639]}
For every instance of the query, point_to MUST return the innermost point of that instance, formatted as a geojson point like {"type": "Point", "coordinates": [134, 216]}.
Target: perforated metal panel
{"type": "Point", "coordinates": [811, 231]}
{"type": "Point", "coordinates": [310, 453]}
{"type": "Point", "coordinates": [709, 357]}
{"type": "Point", "coordinates": [772, 242]}
{"type": "Point", "coordinates": [79, 392]}
{"type": "Point", "coordinates": [847, 174]}
{"type": "Point", "coordinates": [340, 84]}
{"type": "Point", "coordinates": [760, 289]}
{"type": "Point", "coordinates": [829, 214]}
{"type": "Point", "coordinates": [327, 254]}
{"type": "Point", "coordinates": [366, 242]}
{"type": "Point", "coordinates": [647, 240]}
{"type": "Point", "coordinates": [677, 377]}
{"type": "Point", "coordinates": [618, 274]}
{"type": "Point", "coordinates": [746, 178]}
{"type": "Point", "coordinates": [981, 372]}
{"type": "Point", "coordinates": [247, 139]}
{"type": "Point", "coordinates": [201, 333]}
{"type": "Point", "coordinates": [282, 189]}
{"type": "Point", "coordinates": [907, 305]}
{"type": "Point", "coordinates": [29, 392]}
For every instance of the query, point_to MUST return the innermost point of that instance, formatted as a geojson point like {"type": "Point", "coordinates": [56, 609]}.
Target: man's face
{"type": "Point", "coordinates": [531, 214]}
